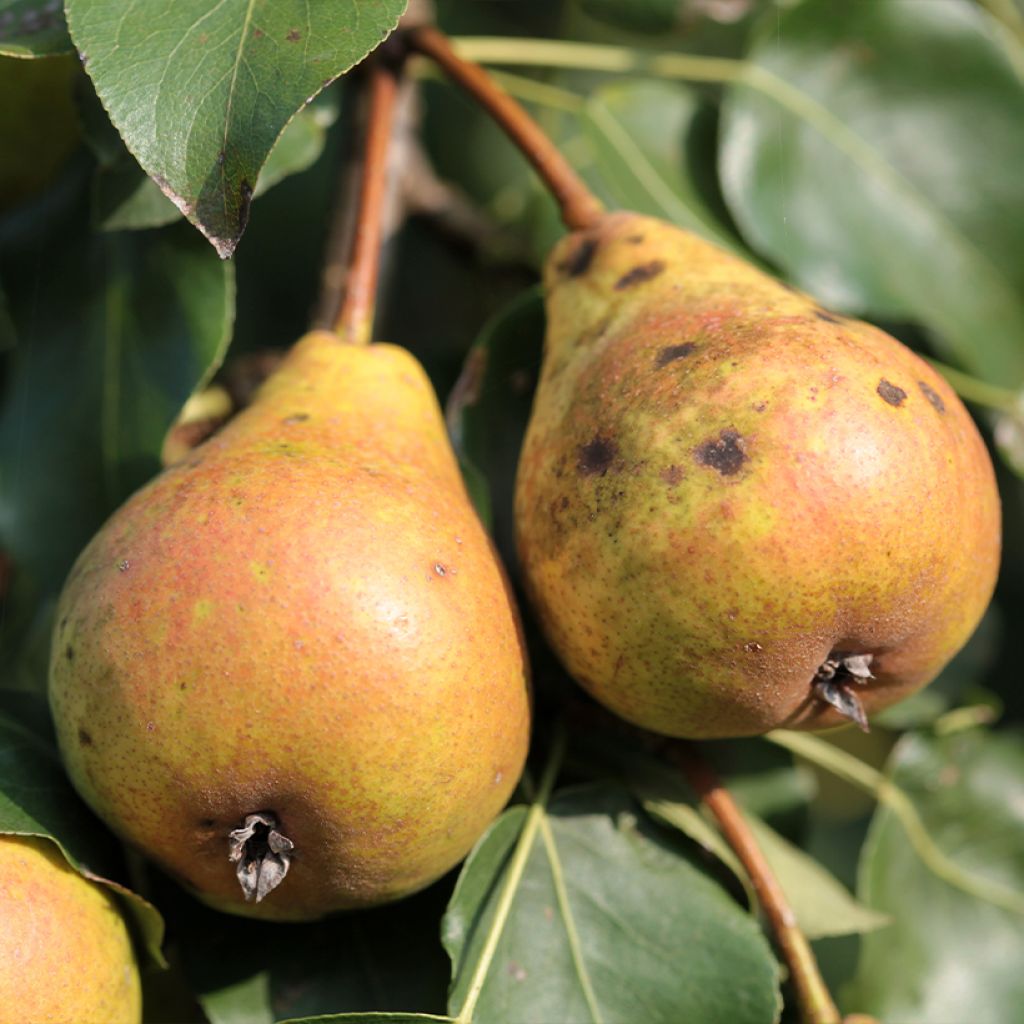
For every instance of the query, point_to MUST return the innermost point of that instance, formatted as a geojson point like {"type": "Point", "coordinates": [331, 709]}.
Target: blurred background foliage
{"type": "Point", "coordinates": [869, 153]}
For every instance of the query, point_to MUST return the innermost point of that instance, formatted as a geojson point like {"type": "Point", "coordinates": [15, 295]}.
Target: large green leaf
{"type": "Point", "coordinates": [37, 800]}
{"type": "Point", "coordinates": [114, 332]}
{"type": "Point", "coordinates": [33, 28]}
{"type": "Point", "coordinates": [948, 956]}
{"type": "Point", "coordinates": [201, 90]}
{"type": "Point", "coordinates": [609, 921]}
{"type": "Point", "coordinates": [874, 151]}
{"type": "Point", "coordinates": [124, 197]}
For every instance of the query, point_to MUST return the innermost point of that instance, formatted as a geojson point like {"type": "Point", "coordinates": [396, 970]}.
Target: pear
{"type": "Point", "coordinates": [735, 510]}
{"type": "Point", "coordinates": [290, 669]}
{"type": "Point", "coordinates": [65, 954]}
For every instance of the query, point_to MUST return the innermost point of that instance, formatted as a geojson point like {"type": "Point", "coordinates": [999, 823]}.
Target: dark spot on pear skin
{"type": "Point", "coordinates": [579, 262]}
{"type": "Point", "coordinates": [932, 395]}
{"type": "Point", "coordinates": [829, 318]}
{"type": "Point", "coordinates": [891, 393]}
{"type": "Point", "coordinates": [84, 738]}
{"type": "Point", "coordinates": [635, 239]}
{"type": "Point", "coordinates": [207, 822]}
{"type": "Point", "coordinates": [440, 569]}
{"type": "Point", "coordinates": [673, 352]}
{"type": "Point", "coordinates": [298, 417]}
{"type": "Point", "coordinates": [69, 652]}
{"type": "Point", "coordinates": [672, 476]}
{"type": "Point", "coordinates": [596, 456]}
{"type": "Point", "coordinates": [726, 453]}
{"type": "Point", "coordinates": [753, 647]}
{"type": "Point", "coordinates": [124, 565]}
{"type": "Point", "coordinates": [639, 274]}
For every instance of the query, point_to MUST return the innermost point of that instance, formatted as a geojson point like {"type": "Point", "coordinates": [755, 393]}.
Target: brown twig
{"type": "Point", "coordinates": [814, 1000]}
{"type": "Point", "coordinates": [579, 206]}
{"type": "Point", "coordinates": [354, 322]}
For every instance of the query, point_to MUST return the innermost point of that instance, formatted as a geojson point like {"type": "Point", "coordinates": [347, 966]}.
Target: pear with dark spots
{"type": "Point", "coordinates": [299, 682]}
{"type": "Point", "coordinates": [800, 523]}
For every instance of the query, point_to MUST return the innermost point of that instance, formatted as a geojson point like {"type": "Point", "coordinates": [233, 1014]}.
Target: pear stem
{"type": "Point", "coordinates": [812, 995]}
{"type": "Point", "coordinates": [580, 208]}
{"type": "Point", "coordinates": [354, 323]}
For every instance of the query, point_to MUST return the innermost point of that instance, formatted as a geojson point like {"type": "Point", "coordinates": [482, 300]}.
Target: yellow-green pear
{"type": "Point", "coordinates": [735, 510]}
{"type": "Point", "coordinates": [65, 953]}
{"type": "Point", "coordinates": [290, 669]}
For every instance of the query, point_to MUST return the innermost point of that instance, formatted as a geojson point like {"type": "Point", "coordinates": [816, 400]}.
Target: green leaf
{"type": "Point", "coordinates": [33, 28]}
{"type": "Point", "coordinates": [646, 136]}
{"type": "Point", "coordinates": [822, 905]}
{"type": "Point", "coordinates": [114, 334]}
{"type": "Point", "coordinates": [610, 920]}
{"type": "Point", "coordinates": [488, 409]}
{"type": "Point", "coordinates": [254, 972]}
{"type": "Point", "coordinates": [888, 793]}
{"type": "Point", "coordinates": [947, 956]}
{"type": "Point", "coordinates": [872, 150]}
{"type": "Point", "coordinates": [37, 800]}
{"type": "Point", "coordinates": [200, 91]}
{"type": "Point", "coordinates": [125, 198]}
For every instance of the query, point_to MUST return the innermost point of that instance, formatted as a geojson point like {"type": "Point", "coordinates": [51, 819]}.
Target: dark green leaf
{"type": "Point", "coordinates": [114, 332]}
{"type": "Point", "coordinates": [645, 136]}
{"type": "Point", "coordinates": [254, 972]}
{"type": "Point", "coordinates": [599, 923]}
{"type": "Point", "coordinates": [125, 198]}
{"type": "Point", "coordinates": [637, 15]}
{"type": "Point", "coordinates": [948, 956]}
{"type": "Point", "coordinates": [36, 799]}
{"type": "Point", "coordinates": [200, 91]}
{"type": "Point", "coordinates": [874, 151]}
{"type": "Point", "coordinates": [489, 407]}
{"type": "Point", "coordinates": [763, 782]}
{"type": "Point", "coordinates": [38, 125]}
{"type": "Point", "coordinates": [33, 28]}
{"type": "Point", "coordinates": [8, 335]}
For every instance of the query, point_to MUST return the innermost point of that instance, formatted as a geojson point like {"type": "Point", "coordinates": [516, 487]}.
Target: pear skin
{"type": "Point", "coordinates": [730, 500]}
{"type": "Point", "coordinates": [299, 643]}
{"type": "Point", "coordinates": [65, 953]}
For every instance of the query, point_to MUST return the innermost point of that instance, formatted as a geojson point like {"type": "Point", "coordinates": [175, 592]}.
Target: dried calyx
{"type": "Point", "coordinates": [835, 680]}
{"type": "Point", "coordinates": [261, 855]}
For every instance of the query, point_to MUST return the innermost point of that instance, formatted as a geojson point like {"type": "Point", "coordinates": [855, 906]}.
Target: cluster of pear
{"type": "Point", "coordinates": [291, 671]}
